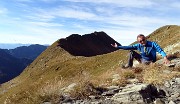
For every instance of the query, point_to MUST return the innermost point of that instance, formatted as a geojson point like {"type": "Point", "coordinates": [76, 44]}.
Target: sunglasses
{"type": "Point", "coordinates": [142, 40]}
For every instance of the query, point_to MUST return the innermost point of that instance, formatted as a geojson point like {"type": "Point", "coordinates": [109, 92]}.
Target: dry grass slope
{"type": "Point", "coordinates": [166, 35]}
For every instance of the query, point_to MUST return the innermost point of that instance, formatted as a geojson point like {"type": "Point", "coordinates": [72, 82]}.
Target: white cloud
{"type": "Point", "coordinates": [40, 16]}
{"type": "Point", "coordinates": [3, 10]}
{"type": "Point", "coordinates": [45, 24]}
{"type": "Point", "coordinates": [72, 13]}
{"type": "Point", "coordinates": [58, 12]}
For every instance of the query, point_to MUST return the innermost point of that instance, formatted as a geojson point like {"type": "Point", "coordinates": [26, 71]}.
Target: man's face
{"type": "Point", "coordinates": [142, 40]}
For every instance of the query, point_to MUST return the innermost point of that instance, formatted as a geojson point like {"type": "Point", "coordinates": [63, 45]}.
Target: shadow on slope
{"type": "Point", "coordinates": [93, 44]}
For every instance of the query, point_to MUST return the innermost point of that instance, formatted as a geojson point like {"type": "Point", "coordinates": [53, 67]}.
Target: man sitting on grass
{"type": "Point", "coordinates": [147, 51]}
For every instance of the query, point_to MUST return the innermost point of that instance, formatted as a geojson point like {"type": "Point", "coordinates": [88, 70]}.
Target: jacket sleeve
{"type": "Point", "coordinates": [133, 47]}
{"type": "Point", "coordinates": [159, 49]}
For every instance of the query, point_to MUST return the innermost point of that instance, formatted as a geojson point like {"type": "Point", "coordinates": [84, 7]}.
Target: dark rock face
{"type": "Point", "coordinates": [93, 44]}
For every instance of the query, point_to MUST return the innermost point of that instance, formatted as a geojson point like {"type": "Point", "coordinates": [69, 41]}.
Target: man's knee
{"type": "Point", "coordinates": [135, 55]}
{"type": "Point", "coordinates": [131, 53]}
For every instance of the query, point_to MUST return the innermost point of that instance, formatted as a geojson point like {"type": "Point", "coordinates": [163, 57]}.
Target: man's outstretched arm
{"type": "Point", "coordinates": [133, 47]}
{"type": "Point", "coordinates": [163, 54]}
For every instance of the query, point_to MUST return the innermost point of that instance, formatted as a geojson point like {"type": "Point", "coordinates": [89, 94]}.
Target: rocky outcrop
{"type": "Point", "coordinates": [96, 43]}
{"type": "Point", "coordinates": [138, 93]}
{"type": "Point", "coordinates": [175, 62]}
{"type": "Point", "coordinates": [146, 93]}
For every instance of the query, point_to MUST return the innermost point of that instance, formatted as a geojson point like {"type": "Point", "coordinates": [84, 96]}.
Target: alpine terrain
{"type": "Point", "coordinates": [87, 69]}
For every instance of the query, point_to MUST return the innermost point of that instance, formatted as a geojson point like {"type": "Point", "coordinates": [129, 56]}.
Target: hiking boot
{"type": "Point", "coordinates": [126, 66]}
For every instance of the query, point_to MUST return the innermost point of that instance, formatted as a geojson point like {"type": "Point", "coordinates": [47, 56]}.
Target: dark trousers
{"type": "Point", "coordinates": [138, 57]}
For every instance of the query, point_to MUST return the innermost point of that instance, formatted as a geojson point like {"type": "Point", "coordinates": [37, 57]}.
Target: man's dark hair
{"type": "Point", "coordinates": [140, 35]}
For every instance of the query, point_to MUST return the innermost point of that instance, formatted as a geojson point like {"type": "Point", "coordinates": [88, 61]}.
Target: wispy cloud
{"type": "Point", "coordinates": [65, 12]}
{"type": "Point", "coordinates": [40, 15]}
{"type": "Point", "coordinates": [72, 13]}
{"type": "Point", "coordinates": [122, 3]}
{"type": "Point", "coordinates": [124, 19]}
{"type": "Point", "coordinates": [45, 24]}
{"type": "Point", "coordinates": [23, 0]}
{"type": "Point", "coordinates": [99, 13]}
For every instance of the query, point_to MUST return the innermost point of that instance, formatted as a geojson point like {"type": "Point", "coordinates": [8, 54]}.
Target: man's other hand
{"type": "Point", "coordinates": [114, 45]}
{"type": "Point", "coordinates": [166, 61]}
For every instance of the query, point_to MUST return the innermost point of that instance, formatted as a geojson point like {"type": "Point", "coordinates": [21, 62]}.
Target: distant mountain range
{"type": "Point", "coordinates": [28, 52]}
{"type": "Point", "coordinates": [11, 45]}
{"type": "Point", "coordinates": [14, 45]}
{"type": "Point", "coordinates": [13, 61]}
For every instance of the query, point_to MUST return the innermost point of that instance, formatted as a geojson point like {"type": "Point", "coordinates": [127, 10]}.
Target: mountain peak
{"type": "Point", "coordinates": [93, 44]}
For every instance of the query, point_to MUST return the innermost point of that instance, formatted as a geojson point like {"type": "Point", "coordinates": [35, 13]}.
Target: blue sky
{"type": "Point", "coordinates": [45, 21]}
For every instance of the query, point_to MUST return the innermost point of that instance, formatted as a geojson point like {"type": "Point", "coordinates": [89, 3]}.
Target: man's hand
{"type": "Point", "coordinates": [166, 61]}
{"type": "Point", "coordinates": [114, 45]}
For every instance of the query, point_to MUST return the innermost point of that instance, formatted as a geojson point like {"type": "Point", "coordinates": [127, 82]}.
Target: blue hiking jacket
{"type": "Point", "coordinates": [147, 52]}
